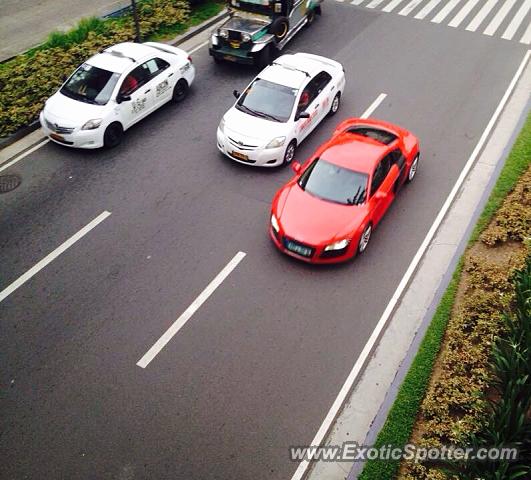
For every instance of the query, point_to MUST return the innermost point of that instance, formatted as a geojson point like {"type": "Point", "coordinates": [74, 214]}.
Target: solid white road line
{"type": "Point", "coordinates": [360, 362]}
{"type": "Point", "coordinates": [374, 105]}
{"type": "Point", "coordinates": [478, 19]}
{"type": "Point", "coordinates": [374, 3]}
{"type": "Point", "coordinates": [445, 11]}
{"type": "Point", "coordinates": [427, 9]}
{"type": "Point", "coordinates": [498, 19]}
{"type": "Point", "coordinates": [22, 155]}
{"type": "Point", "coordinates": [517, 20]}
{"type": "Point", "coordinates": [456, 21]}
{"type": "Point", "coordinates": [527, 36]}
{"type": "Point", "coordinates": [52, 256]}
{"type": "Point", "coordinates": [187, 314]}
{"type": "Point", "coordinates": [409, 7]}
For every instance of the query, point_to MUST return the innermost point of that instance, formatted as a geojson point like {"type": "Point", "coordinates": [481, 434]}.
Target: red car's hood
{"type": "Point", "coordinates": [312, 220]}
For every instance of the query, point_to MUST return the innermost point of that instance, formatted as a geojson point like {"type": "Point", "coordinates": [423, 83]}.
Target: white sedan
{"type": "Point", "coordinates": [280, 108]}
{"type": "Point", "coordinates": [113, 90]}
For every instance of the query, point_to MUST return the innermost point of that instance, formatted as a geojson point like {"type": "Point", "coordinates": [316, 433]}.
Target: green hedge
{"type": "Point", "coordinates": [29, 79]}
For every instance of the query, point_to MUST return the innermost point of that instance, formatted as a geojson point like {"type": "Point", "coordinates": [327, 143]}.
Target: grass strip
{"type": "Point", "coordinates": [399, 424]}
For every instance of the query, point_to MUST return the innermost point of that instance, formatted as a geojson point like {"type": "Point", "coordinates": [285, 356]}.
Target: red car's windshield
{"type": "Point", "coordinates": [334, 183]}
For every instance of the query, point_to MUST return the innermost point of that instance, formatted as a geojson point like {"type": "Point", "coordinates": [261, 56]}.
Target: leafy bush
{"type": "Point", "coordinates": [29, 79]}
{"type": "Point", "coordinates": [508, 420]}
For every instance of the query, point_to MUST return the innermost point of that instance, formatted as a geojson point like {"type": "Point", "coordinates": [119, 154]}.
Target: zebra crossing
{"type": "Point", "coordinates": [508, 19]}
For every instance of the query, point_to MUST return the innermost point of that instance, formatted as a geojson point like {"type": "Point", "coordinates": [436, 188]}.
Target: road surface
{"type": "Point", "coordinates": [258, 365]}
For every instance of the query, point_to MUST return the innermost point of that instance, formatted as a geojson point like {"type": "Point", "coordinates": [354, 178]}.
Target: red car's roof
{"type": "Point", "coordinates": [353, 151]}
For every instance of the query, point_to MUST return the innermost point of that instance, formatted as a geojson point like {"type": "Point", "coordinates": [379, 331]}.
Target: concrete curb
{"type": "Point", "coordinates": [180, 39]}
{"type": "Point", "coordinates": [192, 32]}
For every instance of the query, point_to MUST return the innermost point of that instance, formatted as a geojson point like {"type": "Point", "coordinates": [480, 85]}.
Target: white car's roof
{"type": "Point", "coordinates": [294, 70]}
{"type": "Point", "coordinates": [121, 56]}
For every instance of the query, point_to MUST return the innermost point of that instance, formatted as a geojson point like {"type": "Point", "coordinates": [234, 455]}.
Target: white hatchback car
{"type": "Point", "coordinates": [280, 108]}
{"type": "Point", "coordinates": [113, 90]}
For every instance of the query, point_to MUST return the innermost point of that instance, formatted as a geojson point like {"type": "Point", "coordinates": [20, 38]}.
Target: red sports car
{"type": "Point", "coordinates": [328, 211]}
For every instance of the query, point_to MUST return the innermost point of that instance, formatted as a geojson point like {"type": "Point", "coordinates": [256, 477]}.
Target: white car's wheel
{"type": "Point", "coordinates": [180, 90]}
{"type": "Point", "coordinates": [113, 135]}
{"type": "Point", "coordinates": [289, 155]}
{"type": "Point", "coordinates": [335, 104]}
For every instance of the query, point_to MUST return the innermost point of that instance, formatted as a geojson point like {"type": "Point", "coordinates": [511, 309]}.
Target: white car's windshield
{"type": "Point", "coordinates": [268, 100]}
{"type": "Point", "coordinates": [334, 183]}
{"type": "Point", "coordinates": [91, 85]}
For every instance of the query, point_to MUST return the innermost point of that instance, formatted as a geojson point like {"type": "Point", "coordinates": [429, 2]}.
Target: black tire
{"type": "Point", "coordinates": [113, 135]}
{"type": "Point", "coordinates": [217, 60]}
{"type": "Point", "coordinates": [263, 59]}
{"type": "Point", "coordinates": [414, 165]}
{"type": "Point", "coordinates": [180, 91]}
{"type": "Point", "coordinates": [289, 154]}
{"type": "Point", "coordinates": [336, 102]}
{"type": "Point", "coordinates": [310, 16]}
{"type": "Point", "coordinates": [364, 240]}
{"type": "Point", "coordinates": [279, 28]}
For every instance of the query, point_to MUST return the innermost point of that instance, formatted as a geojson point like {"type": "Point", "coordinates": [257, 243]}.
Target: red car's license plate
{"type": "Point", "coordinates": [295, 247]}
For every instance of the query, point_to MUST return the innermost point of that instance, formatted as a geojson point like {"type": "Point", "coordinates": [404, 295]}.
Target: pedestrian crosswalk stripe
{"type": "Point", "coordinates": [478, 19]}
{"type": "Point", "coordinates": [409, 7]}
{"type": "Point", "coordinates": [374, 3]}
{"type": "Point", "coordinates": [445, 11]}
{"type": "Point", "coordinates": [427, 9]}
{"type": "Point", "coordinates": [498, 19]}
{"type": "Point", "coordinates": [527, 35]}
{"type": "Point", "coordinates": [489, 17]}
{"type": "Point", "coordinates": [456, 21]}
{"type": "Point", "coordinates": [391, 6]}
{"type": "Point", "coordinates": [517, 20]}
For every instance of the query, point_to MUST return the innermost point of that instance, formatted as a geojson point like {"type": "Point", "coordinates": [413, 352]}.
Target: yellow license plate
{"type": "Point", "coordinates": [240, 156]}
{"type": "Point", "coordinates": [235, 44]}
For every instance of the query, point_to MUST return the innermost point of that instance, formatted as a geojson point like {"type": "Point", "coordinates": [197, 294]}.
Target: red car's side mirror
{"type": "Point", "coordinates": [296, 167]}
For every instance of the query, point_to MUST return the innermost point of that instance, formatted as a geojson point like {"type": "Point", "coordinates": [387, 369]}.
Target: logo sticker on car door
{"type": "Point", "coordinates": [162, 87]}
{"type": "Point", "coordinates": [139, 104]}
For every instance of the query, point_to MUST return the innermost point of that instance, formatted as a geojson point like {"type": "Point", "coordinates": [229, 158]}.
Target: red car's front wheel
{"type": "Point", "coordinates": [413, 168]}
{"type": "Point", "coordinates": [365, 239]}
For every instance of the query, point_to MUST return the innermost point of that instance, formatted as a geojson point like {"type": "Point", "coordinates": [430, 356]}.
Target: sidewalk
{"type": "Point", "coordinates": [365, 409]}
{"type": "Point", "coordinates": [26, 23]}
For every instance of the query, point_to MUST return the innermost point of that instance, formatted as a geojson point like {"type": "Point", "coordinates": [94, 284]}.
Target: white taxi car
{"type": "Point", "coordinates": [113, 90]}
{"type": "Point", "coordinates": [280, 108]}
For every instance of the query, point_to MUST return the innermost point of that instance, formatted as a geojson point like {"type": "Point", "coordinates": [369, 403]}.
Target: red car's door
{"type": "Point", "coordinates": [384, 193]}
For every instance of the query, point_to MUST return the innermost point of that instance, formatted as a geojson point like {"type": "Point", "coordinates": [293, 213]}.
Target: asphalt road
{"type": "Point", "coordinates": [260, 363]}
